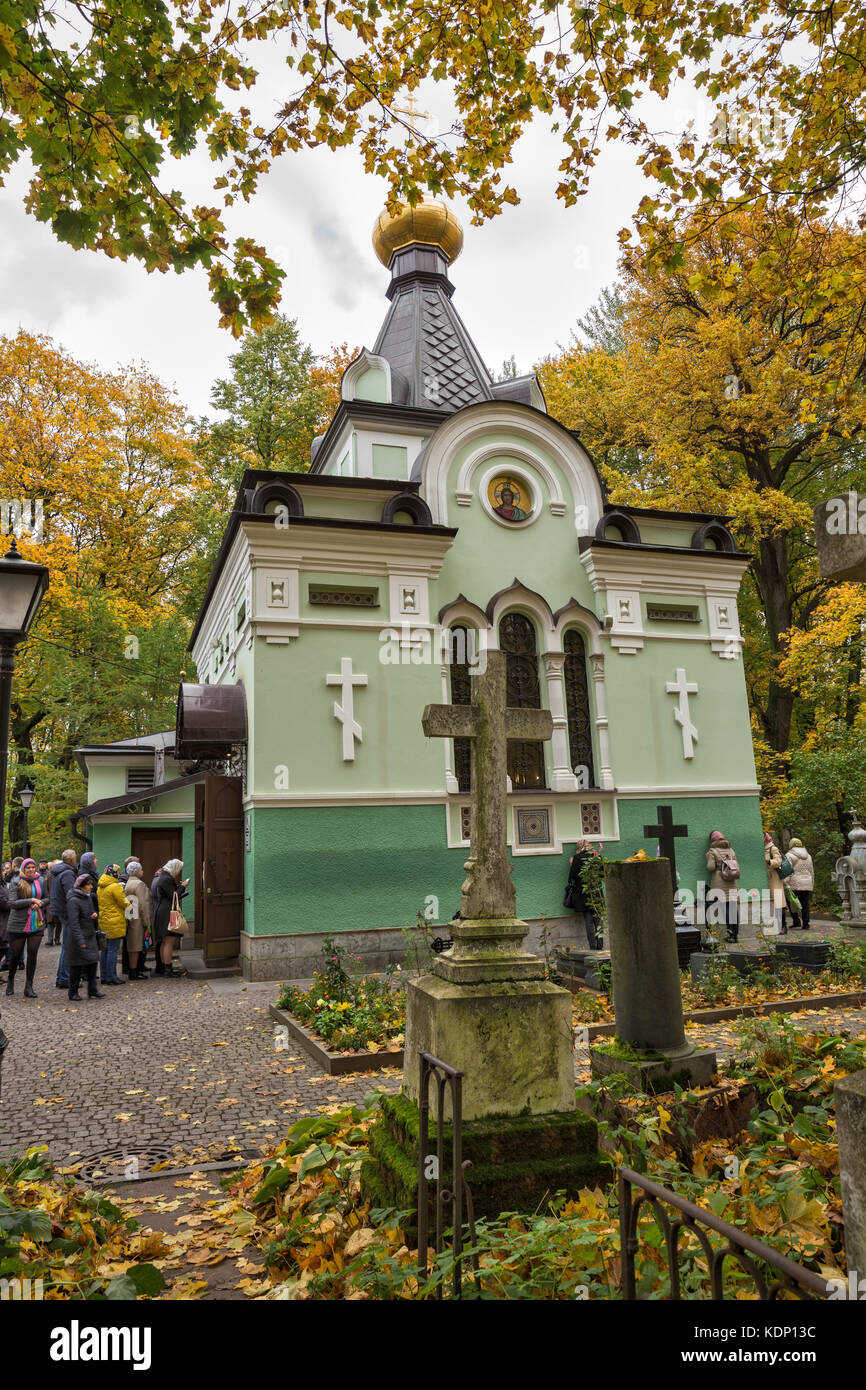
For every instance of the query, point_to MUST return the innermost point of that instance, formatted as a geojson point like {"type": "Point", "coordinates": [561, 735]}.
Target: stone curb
{"type": "Point", "coordinates": [335, 1063]}
{"type": "Point", "coordinates": [775, 1006]}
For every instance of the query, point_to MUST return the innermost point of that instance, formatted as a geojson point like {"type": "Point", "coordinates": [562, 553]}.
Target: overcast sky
{"type": "Point", "coordinates": [521, 282]}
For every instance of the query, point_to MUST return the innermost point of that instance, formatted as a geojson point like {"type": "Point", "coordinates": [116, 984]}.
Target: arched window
{"type": "Point", "coordinates": [461, 694]}
{"type": "Point", "coordinates": [517, 641]}
{"type": "Point", "coordinates": [577, 706]}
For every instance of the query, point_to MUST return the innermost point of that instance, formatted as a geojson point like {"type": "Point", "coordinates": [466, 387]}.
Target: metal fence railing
{"type": "Point", "coordinates": [448, 1202]}
{"type": "Point", "coordinates": [784, 1276]}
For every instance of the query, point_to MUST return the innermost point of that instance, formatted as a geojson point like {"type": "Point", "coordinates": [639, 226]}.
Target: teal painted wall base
{"type": "Point", "coordinates": [361, 868]}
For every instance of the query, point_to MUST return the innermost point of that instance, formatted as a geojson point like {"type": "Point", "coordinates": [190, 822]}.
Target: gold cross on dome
{"type": "Point", "coordinates": [411, 110]}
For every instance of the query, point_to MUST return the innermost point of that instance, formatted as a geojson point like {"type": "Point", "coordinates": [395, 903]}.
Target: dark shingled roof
{"type": "Point", "coordinates": [425, 340]}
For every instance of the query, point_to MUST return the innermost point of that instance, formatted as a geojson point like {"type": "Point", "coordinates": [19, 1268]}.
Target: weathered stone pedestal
{"type": "Point", "coordinates": [650, 1046]}
{"type": "Point", "coordinates": [850, 1097]}
{"type": "Point", "coordinates": [486, 1009]}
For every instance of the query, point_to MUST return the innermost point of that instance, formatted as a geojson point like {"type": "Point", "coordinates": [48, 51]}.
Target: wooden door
{"type": "Point", "coordinates": [155, 847]}
{"type": "Point", "coordinates": [220, 865]}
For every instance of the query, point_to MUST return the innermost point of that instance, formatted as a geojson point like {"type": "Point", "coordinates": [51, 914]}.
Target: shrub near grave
{"type": "Point", "coordinates": [348, 1015]}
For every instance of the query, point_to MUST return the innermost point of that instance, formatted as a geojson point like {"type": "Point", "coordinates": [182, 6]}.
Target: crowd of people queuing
{"type": "Point", "coordinates": [94, 916]}
{"type": "Point", "coordinates": [790, 881]}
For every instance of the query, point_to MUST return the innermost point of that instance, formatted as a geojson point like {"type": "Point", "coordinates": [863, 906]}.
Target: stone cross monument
{"type": "Point", "coordinates": [487, 935]}
{"type": "Point", "coordinates": [485, 1007]}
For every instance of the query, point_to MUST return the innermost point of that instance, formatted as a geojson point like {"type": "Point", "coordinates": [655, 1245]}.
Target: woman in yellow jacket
{"type": "Point", "coordinates": [111, 901]}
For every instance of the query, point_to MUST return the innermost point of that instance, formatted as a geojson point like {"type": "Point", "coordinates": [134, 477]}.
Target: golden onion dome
{"type": "Point", "coordinates": [430, 221]}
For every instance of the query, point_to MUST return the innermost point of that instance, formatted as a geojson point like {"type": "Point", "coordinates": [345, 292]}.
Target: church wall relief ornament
{"type": "Point", "coordinates": [345, 712]}
{"type": "Point", "coordinates": [683, 689]}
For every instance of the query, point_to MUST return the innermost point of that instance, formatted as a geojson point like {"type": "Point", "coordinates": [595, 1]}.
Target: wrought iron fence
{"type": "Point", "coordinates": [432, 1166]}
{"type": "Point", "coordinates": [749, 1253]}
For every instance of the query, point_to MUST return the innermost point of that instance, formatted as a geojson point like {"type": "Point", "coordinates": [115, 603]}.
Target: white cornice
{"type": "Point", "coordinates": [691, 572]}
{"type": "Point", "coordinates": [345, 550]}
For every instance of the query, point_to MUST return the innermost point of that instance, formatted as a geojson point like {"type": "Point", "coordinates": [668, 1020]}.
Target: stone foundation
{"type": "Point", "coordinates": [517, 1161]}
{"type": "Point", "coordinates": [695, 1067]}
{"type": "Point", "coordinates": [298, 956]}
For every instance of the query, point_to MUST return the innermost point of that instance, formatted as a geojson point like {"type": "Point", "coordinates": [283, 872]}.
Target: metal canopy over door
{"type": "Point", "coordinates": [219, 860]}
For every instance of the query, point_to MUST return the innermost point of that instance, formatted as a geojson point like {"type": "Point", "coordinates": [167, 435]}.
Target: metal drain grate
{"type": "Point", "coordinates": [129, 1165]}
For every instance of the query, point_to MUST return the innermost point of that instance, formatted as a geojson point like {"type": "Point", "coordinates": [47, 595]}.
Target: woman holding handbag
{"type": "Point", "coordinates": [169, 891]}
{"type": "Point", "coordinates": [26, 924]}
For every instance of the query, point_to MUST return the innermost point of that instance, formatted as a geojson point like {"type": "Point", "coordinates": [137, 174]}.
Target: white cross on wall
{"type": "Point", "coordinates": [345, 712]}
{"type": "Point", "coordinates": [684, 689]}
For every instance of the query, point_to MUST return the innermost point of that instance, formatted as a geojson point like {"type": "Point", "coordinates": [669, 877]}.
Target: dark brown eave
{"type": "Point", "coordinates": [594, 543]}
{"type": "Point", "coordinates": [659, 514]}
{"type": "Point", "coordinates": [108, 804]}
{"type": "Point", "coordinates": [334, 522]}
{"type": "Point", "coordinates": [334, 480]}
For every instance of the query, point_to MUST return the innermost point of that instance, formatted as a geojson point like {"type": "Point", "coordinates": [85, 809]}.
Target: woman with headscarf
{"type": "Point", "coordinates": [83, 952]}
{"type": "Point", "coordinates": [4, 924]}
{"type": "Point", "coordinates": [138, 919]}
{"type": "Point", "coordinates": [26, 924]}
{"type": "Point", "coordinates": [773, 859]}
{"type": "Point", "coordinates": [111, 901]}
{"type": "Point", "coordinates": [168, 885]}
{"type": "Point", "coordinates": [801, 882]}
{"type": "Point", "coordinates": [724, 871]}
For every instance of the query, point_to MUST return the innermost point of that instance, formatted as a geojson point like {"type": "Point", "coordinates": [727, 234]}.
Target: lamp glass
{"type": "Point", "coordinates": [25, 796]}
{"type": "Point", "coordinates": [17, 593]}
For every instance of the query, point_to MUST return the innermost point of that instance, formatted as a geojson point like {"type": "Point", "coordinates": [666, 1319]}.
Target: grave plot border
{"type": "Point", "coordinates": [334, 1063]}
{"type": "Point", "coordinates": [809, 1003]}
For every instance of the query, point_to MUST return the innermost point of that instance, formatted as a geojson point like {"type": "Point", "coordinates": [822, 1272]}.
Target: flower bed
{"type": "Point", "coordinates": [722, 987]}
{"type": "Point", "coordinates": [347, 1016]}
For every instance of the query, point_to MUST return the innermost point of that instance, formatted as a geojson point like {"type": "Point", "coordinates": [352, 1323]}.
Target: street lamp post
{"type": "Point", "coordinates": [22, 585]}
{"type": "Point", "coordinates": [25, 796]}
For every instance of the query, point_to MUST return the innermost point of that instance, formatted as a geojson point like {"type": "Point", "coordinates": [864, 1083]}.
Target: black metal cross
{"type": "Point", "coordinates": [666, 833]}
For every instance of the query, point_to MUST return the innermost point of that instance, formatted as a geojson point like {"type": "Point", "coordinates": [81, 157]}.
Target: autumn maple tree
{"type": "Point", "coordinates": [103, 99]}
{"type": "Point", "coordinates": [109, 457]}
{"type": "Point", "coordinates": [735, 385]}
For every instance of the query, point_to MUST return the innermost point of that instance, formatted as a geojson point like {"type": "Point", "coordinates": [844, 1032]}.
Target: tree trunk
{"type": "Point", "coordinates": [20, 738]}
{"type": "Point", "coordinates": [771, 576]}
{"type": "Point", "coordinates": [852, 703]}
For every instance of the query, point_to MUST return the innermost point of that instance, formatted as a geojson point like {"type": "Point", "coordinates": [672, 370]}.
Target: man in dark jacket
{"type": "Point", "coordinates": [62, 879]}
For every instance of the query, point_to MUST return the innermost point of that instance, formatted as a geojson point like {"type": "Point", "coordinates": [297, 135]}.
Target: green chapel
{"type": "Point", "coordinates": [444, 514]}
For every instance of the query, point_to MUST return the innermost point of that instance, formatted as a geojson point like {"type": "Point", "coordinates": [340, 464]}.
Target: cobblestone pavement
{"type": "Point", "coordinates": [176, 1069]}
{"type": "Point", "coordinates": [156, 1068]}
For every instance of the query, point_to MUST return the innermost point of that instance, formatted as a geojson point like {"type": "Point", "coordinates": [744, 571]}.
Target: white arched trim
{"type": "Point", "coordinates": [534, 432]}
{"type": "Point", "coordinates": [518, 598]}
{"type": "Point", "coordinates": [576, 615]}
{"type": "Point", "coordinates": [463, 610]}
{"type": "Point", "coordinates": [585, 621]}
{"type": "Point", "coordinates": [356, 369]}
{"type": "Point", "coordinates": [535, 463]}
